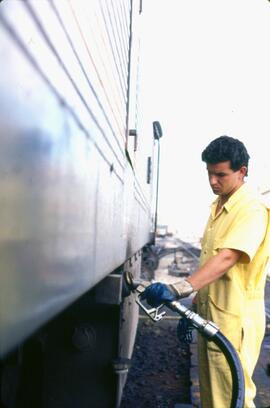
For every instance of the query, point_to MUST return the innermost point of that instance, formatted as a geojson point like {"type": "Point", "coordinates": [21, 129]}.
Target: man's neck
{"type": "Point", "coordinates": [224, 198]}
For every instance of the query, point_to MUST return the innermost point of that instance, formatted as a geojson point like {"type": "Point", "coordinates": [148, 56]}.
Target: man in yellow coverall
{"type": "Point", "coordinates": [232, 274]}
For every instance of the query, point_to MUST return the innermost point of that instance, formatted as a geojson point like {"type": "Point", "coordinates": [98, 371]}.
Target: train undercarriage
{"type": "Point", "coordinates": [81, 357]}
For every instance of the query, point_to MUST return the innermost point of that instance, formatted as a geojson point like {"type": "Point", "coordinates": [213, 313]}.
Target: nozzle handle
{"type": "Point", "coordinates": [154, 312]}
{"type": "Point", "coordinates": [138, 286]}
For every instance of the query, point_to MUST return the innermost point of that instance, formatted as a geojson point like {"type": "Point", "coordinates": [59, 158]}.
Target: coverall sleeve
{"type": "Point", "coordinates": [246, 233]}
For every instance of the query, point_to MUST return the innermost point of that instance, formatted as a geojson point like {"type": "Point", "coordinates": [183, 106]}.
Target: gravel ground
{"type": "Point", "coordinates": [159, 376]}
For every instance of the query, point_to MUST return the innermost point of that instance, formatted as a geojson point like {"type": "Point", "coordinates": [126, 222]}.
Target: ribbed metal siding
{"type": "Point", "coordinates": [71, 209]}
{"type": "Point", "coordinates": [81, 50]}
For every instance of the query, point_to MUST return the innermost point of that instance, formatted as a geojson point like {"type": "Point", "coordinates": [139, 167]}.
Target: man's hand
{"type": "Point", "coordinates": [159, 293]}
{"type": "Point", "coordinates": [184, 331]}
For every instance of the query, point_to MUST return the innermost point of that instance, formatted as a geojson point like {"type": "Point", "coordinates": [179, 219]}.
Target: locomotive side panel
{"type": "Point", "coordinates": [75, 200]}
{"type": "Point", "coordinates": [71, 209]}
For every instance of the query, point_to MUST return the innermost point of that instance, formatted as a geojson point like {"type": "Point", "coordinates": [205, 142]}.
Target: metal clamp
{"type": "Point", "coordinates": [206, 327]}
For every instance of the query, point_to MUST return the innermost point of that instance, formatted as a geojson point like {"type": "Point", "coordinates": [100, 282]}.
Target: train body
{"type": "Point", "coordinates": [76, 199]}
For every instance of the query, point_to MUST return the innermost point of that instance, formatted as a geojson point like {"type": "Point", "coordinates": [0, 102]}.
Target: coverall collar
{"type": "Point", "coordinates": [231, 201]}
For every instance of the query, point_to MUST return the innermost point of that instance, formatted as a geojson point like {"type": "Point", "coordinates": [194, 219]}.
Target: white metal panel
{"type": "Point", "coordinates": [71, 209]}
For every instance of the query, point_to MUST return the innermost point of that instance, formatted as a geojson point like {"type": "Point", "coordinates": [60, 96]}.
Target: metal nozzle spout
{"type": "Point", "coordinates": [133, 284]}
{"type": "Point", "coordinates": [129, 280]}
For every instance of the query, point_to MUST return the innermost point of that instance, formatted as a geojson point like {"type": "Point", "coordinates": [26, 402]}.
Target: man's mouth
{"type": "Point", "coordinates": [215, 189]}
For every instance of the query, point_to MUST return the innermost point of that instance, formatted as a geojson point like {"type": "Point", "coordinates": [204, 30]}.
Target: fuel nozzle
{"type": "Point", "coordinates": [131, 285]}
{"type": "Point", "coordinates": [135, 285]}
{"type": "Point", "coordinates": [138, 286]}
{"type": "Point", "coordinates": [129, 280]}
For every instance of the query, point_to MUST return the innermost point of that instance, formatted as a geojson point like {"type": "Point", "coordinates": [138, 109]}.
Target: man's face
{"type": "Point", "coordinates": [223, 180]}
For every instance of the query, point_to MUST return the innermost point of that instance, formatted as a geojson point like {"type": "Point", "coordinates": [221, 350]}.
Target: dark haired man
{"type": "Point", "coordinates": [231, 278]}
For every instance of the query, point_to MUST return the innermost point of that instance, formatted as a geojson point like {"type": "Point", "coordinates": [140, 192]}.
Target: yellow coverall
{"type": "Point", "coordinates": [235, 302]}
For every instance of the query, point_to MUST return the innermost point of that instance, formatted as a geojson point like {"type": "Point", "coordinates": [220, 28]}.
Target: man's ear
{"type": "Point", "coordinates": [243, 171]}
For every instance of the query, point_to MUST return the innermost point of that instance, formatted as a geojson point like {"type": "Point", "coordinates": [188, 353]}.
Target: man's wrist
{"type": "Point", "coordinates": [182, 288]}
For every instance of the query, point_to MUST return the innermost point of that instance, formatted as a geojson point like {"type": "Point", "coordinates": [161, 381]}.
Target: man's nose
{"type": "Point", "coordinates": [212, 180]}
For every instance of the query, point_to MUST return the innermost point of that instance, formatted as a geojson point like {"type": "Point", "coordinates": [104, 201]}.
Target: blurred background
{"type": "Point", "coordinates": [206, 73]}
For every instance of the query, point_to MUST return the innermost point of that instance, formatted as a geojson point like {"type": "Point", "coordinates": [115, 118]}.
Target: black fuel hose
{"type": "Point", "coordinates": [208, 330]}
{"type": "Point", "coordinates": [211, 332]}
{"type": "Point", "coordinates": [238, 381]}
